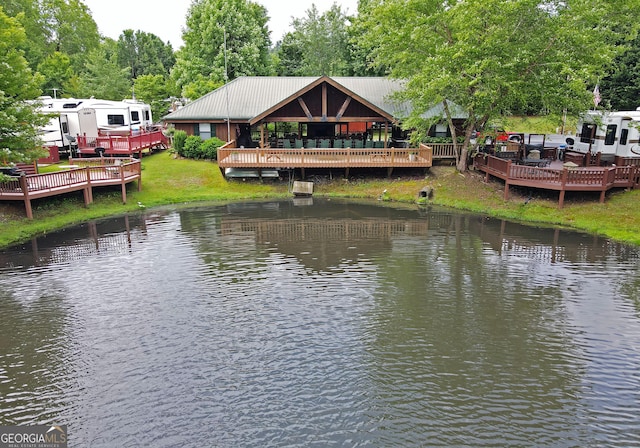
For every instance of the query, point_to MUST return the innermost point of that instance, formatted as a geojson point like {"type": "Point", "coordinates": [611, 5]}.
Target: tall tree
{"type": "Point", "coordinates": [360, 50]}
{"type": "Point", "coordinates": [621, 87]}
{"type": "Point", "coordinates": [19, 120]}
{"type": "Point", "coordinates": [32, 19]}
{"type": "Point", "coordinates": [71, 29]}
{"type": "Point", "coordinates": [202, 58]}
{"type": "Point", "coordinates": [144, 54]}
{"type": "Point", "coordinates": [156, 91]}
{"type": "Point", "coordinates": [492, 56]}
{"type": "Point", "coordinates": [289, 55]}
{"type": "Point", "coordinates": [319, 44]}
{"type": "Point", "coordinates": [58, 73]}
{"type": "Point", "coordinates": [58, 30]}
{"type": "Point", "coordinates": [103, 77]}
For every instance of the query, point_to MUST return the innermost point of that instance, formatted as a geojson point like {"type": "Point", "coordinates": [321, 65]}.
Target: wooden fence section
{"type": "Point", "coordinates": [288, 158]}
{"type": "Point", "coordinates": [600, 179]}
{"type": "Point", "coordinates": [83, 175]}
{"type": "Point", "coordinates": [443, 151]}
{"type": "Point", "coordinates": [122, 145]}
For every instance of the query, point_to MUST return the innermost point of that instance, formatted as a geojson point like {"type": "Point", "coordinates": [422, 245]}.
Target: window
{"type": "Point", "coordinates": [117, 120]}
{"type": "Point", "coordinates": [146, 115]}
{"type": "Point", "coordinates": [588, 130]}
{"type": "Point", "coordinates": [624, 134]}
{"type": "Point", "coordinates": [610, 136]}
{"type": "Point", "coordinates": [135, 116]}
{"type": "Point", "coordinates": [204, 130]}
{"type": "Point", "coordinates": [65, 127]}
{"type": "Point", "coordinates": [439, 130]}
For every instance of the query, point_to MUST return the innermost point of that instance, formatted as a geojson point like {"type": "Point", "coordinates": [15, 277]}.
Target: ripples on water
{"type": "Point", "coordinates": [332, 324]}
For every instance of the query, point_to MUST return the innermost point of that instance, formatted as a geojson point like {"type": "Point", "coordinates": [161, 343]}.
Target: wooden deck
{"type": "Point", "coordinates": [343, 158]}
{"type": "Point", "coordinates": [83, 174]}
{"type": "Point", "coordinates": [122, 145]}
{"type": "Point", "coordinates": [559, 178]}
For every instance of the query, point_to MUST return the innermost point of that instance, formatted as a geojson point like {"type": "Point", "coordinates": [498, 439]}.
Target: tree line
{"type": "Point", "coordinates": [491, 57]}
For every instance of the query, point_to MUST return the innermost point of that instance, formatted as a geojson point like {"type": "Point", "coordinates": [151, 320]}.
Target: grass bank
{"type": "Point", "coordinates": [166, 180]}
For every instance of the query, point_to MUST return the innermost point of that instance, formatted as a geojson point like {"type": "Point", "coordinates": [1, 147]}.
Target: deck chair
{"type": "Point", "coordinates": [311, 143]}
{"type": "Point", "coordinates": [338, 143]}
{"type": "Point", "coordinates": [298, 143]}
{"type": "Point", "coordinates": [287, 144]}
{"type": "Point", "coordinates": [368, 144]}
{"type": "Point", "coordinates": [324, 143]}
{"type": "Point", "coordinates": [358, 143]}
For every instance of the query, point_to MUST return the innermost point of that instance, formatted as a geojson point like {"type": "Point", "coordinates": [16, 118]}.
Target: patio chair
{"type": "Point", "coordinates": [287, 144]}
{"type": "Point", "coordinates": [338, 143]}
{"type": "Point", "coordinates": [325, 143]}
{"type": "Point", "coordinates": [358, 143]}
{"type": "Point", "coordinates": [368, 144]}
{"type": "Point", "coordinates": [298, 143]}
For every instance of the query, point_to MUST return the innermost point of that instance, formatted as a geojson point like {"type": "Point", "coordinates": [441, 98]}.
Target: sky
{"type": "Point", "coordinates": [166, 19]}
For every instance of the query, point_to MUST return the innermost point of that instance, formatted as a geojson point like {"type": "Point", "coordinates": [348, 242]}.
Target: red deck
{"type": "Point", "coordinates": [122, 145]}
{"type": "Point", "coordinates": [560, 178]}
{"type": "Point", "coordinates": [80, 175]}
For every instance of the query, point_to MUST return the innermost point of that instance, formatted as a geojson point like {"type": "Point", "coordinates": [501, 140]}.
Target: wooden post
{"type": "Point", "coordinates": [506, 180]}
{"type": "Point", "coordinates": [605, 176]}
{"type": "Point", "coordinates": [565, 173]}
{"type": "Point", "coordinates": [386, 133]}
{"type": "Point", "coordinates": [24, 186]}
{"type": "Point", "coordinates": [123, 185]}
{"type": "Point", "coordinates": [89, 189]}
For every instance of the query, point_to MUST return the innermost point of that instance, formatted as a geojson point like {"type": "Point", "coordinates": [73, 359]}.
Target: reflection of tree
{"type": "Point", "coordinates": [33, 358]}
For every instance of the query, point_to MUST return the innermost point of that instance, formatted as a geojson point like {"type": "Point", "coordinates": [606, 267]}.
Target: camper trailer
{"type": "Point", "coordinates": [609, 133]}
{"type": "Point", "coordinates": [91, 117]}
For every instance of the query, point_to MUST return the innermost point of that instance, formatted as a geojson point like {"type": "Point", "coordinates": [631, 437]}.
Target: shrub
{"type": "Point", "coordinates": [179, 138]}
{"type": "Point", "coordinates": [192, 147]}
{"type": "Point", "coordinates": [209, 148]}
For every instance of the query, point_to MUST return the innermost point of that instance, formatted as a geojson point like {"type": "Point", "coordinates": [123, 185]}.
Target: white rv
{"type": "Point", "coordinates": [610, 133]}
{"type": "Point", "coordinates": [91, 117]}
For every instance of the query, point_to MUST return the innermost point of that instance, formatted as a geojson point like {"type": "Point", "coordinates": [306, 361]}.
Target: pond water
{"type": "Point", "coordinates": [321, 323]}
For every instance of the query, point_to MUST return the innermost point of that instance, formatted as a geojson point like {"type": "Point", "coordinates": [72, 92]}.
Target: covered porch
{"type": "Point", "coordinates": [307, 122]}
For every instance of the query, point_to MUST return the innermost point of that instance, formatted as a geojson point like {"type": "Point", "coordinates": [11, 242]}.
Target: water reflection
{"type": "Point", "coordinates": [296, 323]}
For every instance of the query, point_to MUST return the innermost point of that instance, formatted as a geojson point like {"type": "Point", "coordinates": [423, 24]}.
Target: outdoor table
{"type": "Point", "coordinates": [533, 162]}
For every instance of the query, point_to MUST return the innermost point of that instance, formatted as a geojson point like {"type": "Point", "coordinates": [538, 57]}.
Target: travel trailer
{"type": "Point", "coordinates": [609, 133]}
{"type": "Point", "coordinates": [91, 117]}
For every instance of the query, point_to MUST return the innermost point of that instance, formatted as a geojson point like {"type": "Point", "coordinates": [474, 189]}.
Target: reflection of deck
{"type": "Point", "coordinates": [344, 158]}
{"type": "Point", "coordinates": [83, 175]}
{"type": "Point", "coordinates": [323, 230]}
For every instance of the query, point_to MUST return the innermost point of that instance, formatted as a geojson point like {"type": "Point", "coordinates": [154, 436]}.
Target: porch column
{"type": "Point", "coordinates": [386, 133]}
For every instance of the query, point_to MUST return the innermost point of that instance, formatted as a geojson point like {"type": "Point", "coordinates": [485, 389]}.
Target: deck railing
{"type": "Point", "coordinates": [123, 144]}
{"type": "Point", "coordinates": [229, 157]}
{"type": "Point", "coordinates": [599, 179]}
{"type": "Point", "coordinates": [443, 150]}
{"type": "Point", "coordinates": [83, 174]}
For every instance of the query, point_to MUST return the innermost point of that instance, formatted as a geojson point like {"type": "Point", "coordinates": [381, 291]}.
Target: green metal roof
{"type": "Point", "coordinates": [250, 96]}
